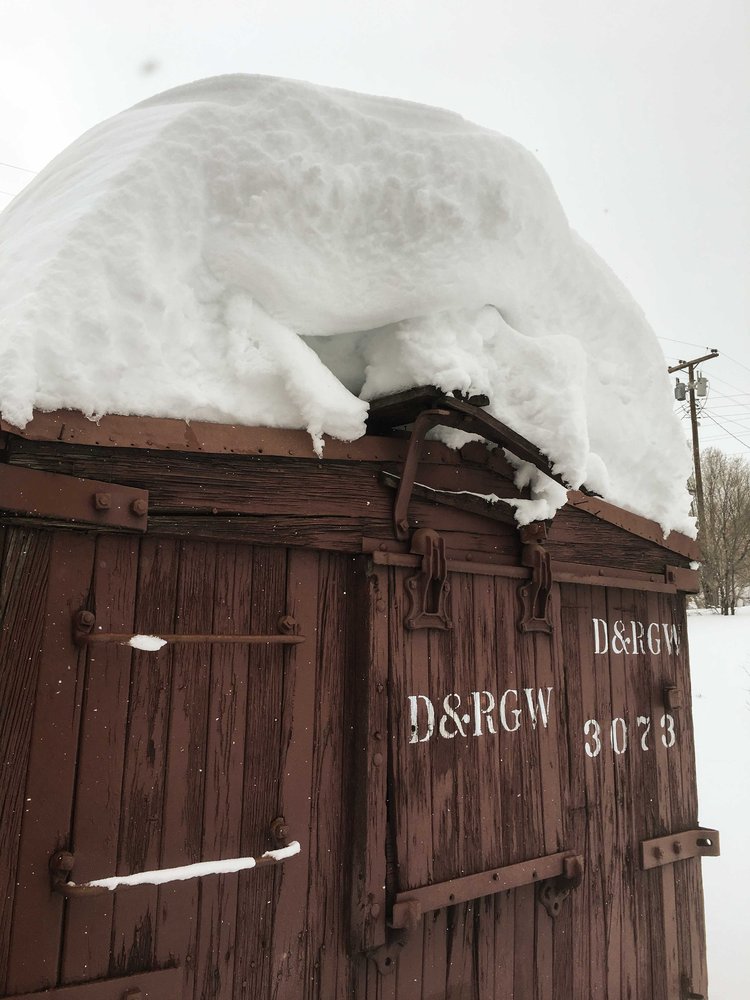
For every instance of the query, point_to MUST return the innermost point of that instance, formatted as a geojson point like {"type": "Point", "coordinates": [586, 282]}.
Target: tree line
{"type": "Point", "coordinates": [725, 542]}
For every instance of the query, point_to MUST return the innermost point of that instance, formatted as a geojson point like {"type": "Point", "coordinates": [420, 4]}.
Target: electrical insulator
{"type": "Point", "coordinates": [701, 386]}
{"type": "Point", "coordinates": [679, 390]}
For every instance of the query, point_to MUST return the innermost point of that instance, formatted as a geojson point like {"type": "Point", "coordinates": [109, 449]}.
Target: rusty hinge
{"type": "Point", "coordinates": [700, 843]}
{"type": "Point", "coordinates": [564, 865]}
{"type": "Point", "coordinates": [554, 874]}
{"type": "Point", "coordinates": [428, 589]}
{"type": "Point", "coordinates": [535, 595]}
{"type": "Point", "coordinates": [49, 495]}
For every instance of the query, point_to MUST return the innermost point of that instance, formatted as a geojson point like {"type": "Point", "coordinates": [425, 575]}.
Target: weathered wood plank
{"type": "Point", "coordinates": [574, 627]}
{"type": "Point", "coordinates": [23, 598]}
{"type": "Point", "coordinates": [412, 781]}
{"type": "Point", "coordinates": [257, 893]}
{"type": "Point", "coordinates": [184, 780]}
{"type": "Point", "coordinates": [38, 913]}
{"type": "Point", "coordinates": [370, 782]}
{"type": "Point", "coordinates": [101, 758]}
{"type": "Point", "coordinates": [141, 813]}
{"type": "Point", "coordinates": [298, 713]}
{"type": "Point", "coordinates": [328, 906]}
{"type": "Point", "coordinates": [224, 773]}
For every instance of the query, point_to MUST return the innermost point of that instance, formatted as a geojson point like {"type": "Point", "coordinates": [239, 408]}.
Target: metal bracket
{"type": "Point", "coordinates": [699, 843]}
{"type": "Point", "coordinates": [552, 892]}
{"type": "Point", "coordinates": [464, 416]}
{"type": "Point", "coordinates": [55, 497]}
{"type": "Point", "coordinates": [428, 590]}
{"type": "Point", "coordinates": [535, 595]}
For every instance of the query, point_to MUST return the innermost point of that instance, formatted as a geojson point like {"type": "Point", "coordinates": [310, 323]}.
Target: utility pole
{"type": "Point", "coordinates": [690, 366]}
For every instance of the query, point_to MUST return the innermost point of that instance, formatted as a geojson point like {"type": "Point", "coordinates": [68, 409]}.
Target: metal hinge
{"type": "Point", "coordinates": [556, 875]}
{"type": "Point", "coordinates": [699, 843]}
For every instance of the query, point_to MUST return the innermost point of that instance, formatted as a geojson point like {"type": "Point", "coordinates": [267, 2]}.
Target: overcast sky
{"type": "Point", "coordinates": [639, 111]}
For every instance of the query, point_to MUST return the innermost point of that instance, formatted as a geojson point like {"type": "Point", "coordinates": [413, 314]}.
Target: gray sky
{"type": "Point", "coordinates": [640, 113]}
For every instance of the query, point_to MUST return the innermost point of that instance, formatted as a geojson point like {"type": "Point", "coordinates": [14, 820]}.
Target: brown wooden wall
{"type": "Point", "coordinates": [138, 760]}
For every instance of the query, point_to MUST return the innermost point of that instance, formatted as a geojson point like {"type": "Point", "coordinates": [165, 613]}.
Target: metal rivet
{"type": "Point", "coordinates": [658, 853]}
{"type": "Point", "coordinates": [102, 501]}
{"type": "Point", "coordinates": [139, 507]}
{"type": "Point", "coordinates": [677, 847]}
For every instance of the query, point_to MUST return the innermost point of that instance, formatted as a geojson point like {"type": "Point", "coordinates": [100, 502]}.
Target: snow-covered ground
{"type": "Point", "coordinates": [720, 662]}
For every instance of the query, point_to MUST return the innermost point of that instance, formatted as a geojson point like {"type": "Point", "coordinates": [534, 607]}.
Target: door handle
{"type": "Point", "coordinates": [61, 864]}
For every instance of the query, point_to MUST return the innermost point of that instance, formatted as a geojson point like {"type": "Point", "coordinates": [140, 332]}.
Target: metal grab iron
{"type": "Point", "coordinates": [84, 634]}
{"type": "Point", "coordinates": [61, 864]}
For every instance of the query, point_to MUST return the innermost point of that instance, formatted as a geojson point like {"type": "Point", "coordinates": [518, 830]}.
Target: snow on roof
{"type": "Point", "coordinates": [261, 251]}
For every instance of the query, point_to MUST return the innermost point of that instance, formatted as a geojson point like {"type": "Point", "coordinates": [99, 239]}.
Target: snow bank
{"type": "Point", "coordinates": [254, 250]}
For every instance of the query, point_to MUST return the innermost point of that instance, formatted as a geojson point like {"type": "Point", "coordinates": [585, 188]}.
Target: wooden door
{"type": "Point", "coordinates": [510, 746]}
{"type": "Point", "coordinates": [137, 761]}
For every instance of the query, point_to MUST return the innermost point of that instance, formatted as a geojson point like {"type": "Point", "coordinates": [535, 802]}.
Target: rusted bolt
{"type": "Point", "coordinates": [377, 759]}
{"type": "Point", "coordinates": [375, 910]}
{"type": "Point", "coordinates": [102, 501]}
{"type": "Point", "coordinates": [134, 994]}
{"type": "Point", "coordinates": [85, 619]}
{"type": "Point", "coordinates": [139, 507]}
{"type": "Point", "coordinates": [279, 830]}
{"type": "Point", "coordinates": [658, 853]}
{"type": "Point", "coordinates": [379, 687]}
{"type": "Point", "coordinates": [677, 847]}
{"type": "Point", "coordinates": [287, 624]}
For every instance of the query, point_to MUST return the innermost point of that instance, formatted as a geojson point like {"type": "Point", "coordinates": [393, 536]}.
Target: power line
{"type": "Point", "coordinates": [14, 167]}
{"type": "Point", "coordinates": [687, 343]}
{"type": "Point", "coordinates": [729, 356]}
{"type": "Point", "coordinates": [728, 433]}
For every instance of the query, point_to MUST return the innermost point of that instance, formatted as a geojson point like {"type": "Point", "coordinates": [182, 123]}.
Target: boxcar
{"type": "Point", "coordinates": [391, 745]}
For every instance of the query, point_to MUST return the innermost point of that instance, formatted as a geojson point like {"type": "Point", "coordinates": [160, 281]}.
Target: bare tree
{"type": "Point", "coordinates": [726, 542]}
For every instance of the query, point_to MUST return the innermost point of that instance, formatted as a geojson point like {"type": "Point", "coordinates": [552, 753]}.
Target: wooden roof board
{"type": "Point", "coordinates": [167, 434]}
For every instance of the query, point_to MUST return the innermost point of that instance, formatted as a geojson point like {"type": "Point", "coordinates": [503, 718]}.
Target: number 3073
{"type": "Point", "coordinates": [617, 735]}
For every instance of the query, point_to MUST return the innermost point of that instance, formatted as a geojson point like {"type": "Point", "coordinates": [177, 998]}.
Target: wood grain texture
{"type": "Point", "coordinates": [101, 754]}
{"type": "Point", "coordinates": [23, 598]}
{"type": "Point", "coordinates": [38, 913]}
{"type": "Point", "coordinates": [146, 747]}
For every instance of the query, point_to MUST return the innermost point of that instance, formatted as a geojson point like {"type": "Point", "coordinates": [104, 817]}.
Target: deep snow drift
{"type": "Point", "coordinates": [720, 668]}
{"type": "Point", "coordinates": [260, 251]}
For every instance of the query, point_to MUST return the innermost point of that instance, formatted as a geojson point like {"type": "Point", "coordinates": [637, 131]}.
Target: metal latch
{"type": "Point", "coordinates": [428, 590]}
{"type": "Point", "coordinates": [535, 595]}
{"type": "Point", "coordinates": [700, 843]}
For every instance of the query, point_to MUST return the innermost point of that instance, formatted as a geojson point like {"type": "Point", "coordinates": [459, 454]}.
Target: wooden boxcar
{"type": "Point", "coordinates": [479, 737]}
